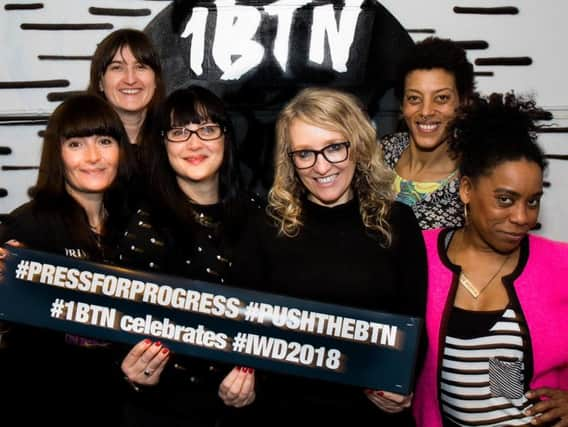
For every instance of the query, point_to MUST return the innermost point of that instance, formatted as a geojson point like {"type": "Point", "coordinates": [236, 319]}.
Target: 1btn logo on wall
{"type": "Point", "coordinates": [256, 55]}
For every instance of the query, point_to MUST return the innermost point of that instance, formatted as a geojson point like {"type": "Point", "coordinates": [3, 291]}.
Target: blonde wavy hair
{"type": "Point", "coordinates": [372, 182]}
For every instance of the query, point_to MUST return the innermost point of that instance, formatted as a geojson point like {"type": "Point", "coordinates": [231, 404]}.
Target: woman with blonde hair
{"type": "Point", "coordinates": [322, 108]}
{"type": "Point", "coordinates": [333, 233]}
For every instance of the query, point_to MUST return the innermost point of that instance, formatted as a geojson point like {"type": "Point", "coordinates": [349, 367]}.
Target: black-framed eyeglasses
{"type": "Point", "coordinates": [205, 133]}
{"type": "Point", "coordinates": [334, 153]}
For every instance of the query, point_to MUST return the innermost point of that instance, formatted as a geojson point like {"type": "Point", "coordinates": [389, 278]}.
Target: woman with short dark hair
{"type": "Point", "coordinates": [85, 166]}
{"type": "Point", "coordinates": [435, 79]}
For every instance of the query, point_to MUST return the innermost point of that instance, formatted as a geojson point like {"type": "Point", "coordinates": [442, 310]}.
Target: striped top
{"type": "Point", "coordinates": [483, 378]}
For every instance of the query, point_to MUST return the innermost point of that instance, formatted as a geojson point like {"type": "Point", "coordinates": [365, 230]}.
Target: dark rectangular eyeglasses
{"type": "Point", "coordinates": [205, 133]}
{"type": "Point", "coordinates": [334, 153]}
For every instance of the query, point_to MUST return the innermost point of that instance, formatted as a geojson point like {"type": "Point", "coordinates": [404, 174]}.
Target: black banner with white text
{"type": "Point", "coordinates": [232, 325]}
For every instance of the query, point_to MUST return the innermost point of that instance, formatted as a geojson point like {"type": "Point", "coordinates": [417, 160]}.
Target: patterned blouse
{"type": "Point", "coordinates": [440, 208]}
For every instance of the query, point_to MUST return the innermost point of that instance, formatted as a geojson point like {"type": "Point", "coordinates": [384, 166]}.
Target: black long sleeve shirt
{"type": "Point", "coordinates": [334, 259]}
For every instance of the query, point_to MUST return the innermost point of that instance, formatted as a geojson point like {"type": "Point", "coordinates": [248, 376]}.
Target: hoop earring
{"type": "Point", "coordinates": [466, 214]}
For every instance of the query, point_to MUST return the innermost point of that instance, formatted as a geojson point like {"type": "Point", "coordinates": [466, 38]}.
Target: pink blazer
{"type": "Point", "coordinates": [542, 291]}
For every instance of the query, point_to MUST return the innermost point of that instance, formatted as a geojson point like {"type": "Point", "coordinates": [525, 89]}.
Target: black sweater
{"type": "Point", "coordinates": [336, 260]}
{"type": "Point", "coordinates": [41, 366]}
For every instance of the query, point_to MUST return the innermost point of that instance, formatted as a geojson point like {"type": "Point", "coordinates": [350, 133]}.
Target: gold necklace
{"type": "Point", "coordinates": [473, 291]}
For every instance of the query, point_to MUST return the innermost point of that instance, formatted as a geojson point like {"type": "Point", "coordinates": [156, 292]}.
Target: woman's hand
{"type": "Point", "coordinates": [145, 362]}
{"type": "Point", "coordinates": [554, 408]}
{"type": "Point", "coordinates": [5, 327]}
{"type": "Point", "coordinates": [389, 402]}
{"type": "Point", "coordinates": [4, 254]}
{"type": "Point", "coordinates": [237, 389]}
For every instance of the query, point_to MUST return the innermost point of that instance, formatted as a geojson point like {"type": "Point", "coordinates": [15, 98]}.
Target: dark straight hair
{"type": "Point", "coordinates": [144, 52]}
{"type": "Point", "coordinates": [80, 116]}
{"type": "Point", "coordinates": [195, 104]}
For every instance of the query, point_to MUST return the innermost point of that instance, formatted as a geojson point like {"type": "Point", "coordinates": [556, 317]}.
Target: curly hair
{"type": "Point", "coordinates": [496, 129]}
{"type": "Point", "coordinates": [434, 52]}
{"type": "Point", "coordinates": [372, 183]}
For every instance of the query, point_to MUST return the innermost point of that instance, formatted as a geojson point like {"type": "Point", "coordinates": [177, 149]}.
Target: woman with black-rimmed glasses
{"type": "Point", "coordinates": [333, 234]}
{"type": "Point", "coordinates": [187, 227]}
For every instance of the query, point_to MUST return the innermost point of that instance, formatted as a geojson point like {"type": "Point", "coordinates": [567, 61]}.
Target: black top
{"type": "Point", "coordinates": [196, 249]}
{"type": "Point", "coordinates": [335, 259]}
{"type": "Point", "coordinates": [41, 366]}
{"type": "Point", "coordinates": [48, 230]}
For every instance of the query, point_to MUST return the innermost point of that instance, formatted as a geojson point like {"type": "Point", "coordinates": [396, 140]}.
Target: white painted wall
{"type": "Point", "coordinates": [538, 31]}
{"type": "Point", "coordinates": [19, 50]}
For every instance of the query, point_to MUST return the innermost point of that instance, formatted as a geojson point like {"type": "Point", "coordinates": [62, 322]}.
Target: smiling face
{"type": "Point", "coordinates": [90, 163]}
{"type": "Point", "coordinates": [328, 184]}
{"type": "Point", "coordinates": [504, 205]}
{"type": "Point", "coordinates": [128, 85]}
{"type": "Point", "coordinates": [429, 103]}
{"type": "Point", "coordinates": [196, 161]}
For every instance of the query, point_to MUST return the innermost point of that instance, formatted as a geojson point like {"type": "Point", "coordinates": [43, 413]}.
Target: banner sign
{"type": "Point", "coordinates": [232, 325]}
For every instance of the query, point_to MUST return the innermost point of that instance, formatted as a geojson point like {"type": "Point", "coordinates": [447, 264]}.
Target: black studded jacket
{"type": "Point", "coordinates": [187, 392]}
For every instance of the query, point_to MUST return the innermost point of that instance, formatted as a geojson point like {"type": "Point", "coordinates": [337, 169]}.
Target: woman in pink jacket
{"type": "Point", "coordinates": [497, 308]}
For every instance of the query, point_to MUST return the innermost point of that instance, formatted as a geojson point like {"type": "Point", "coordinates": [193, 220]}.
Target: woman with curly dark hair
{"type": "Point", "coordinates": [497, 297]}
{"type": "Point", "coordinates": [435, 79]}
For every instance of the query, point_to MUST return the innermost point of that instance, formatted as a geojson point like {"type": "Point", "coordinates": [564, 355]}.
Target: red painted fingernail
{"type": "Point", "coordinates": [147, 341]}
{"type": "Point", "coordinates": [158, 343]}
{"type": "Point", "coordinates": [251, 370]}
{"type": "Point", "coordinates": [241, 368]}
{"type": "Point", "coordinates": [379, 393]}
{"type": "Point", "coordinates": [165, 350]}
